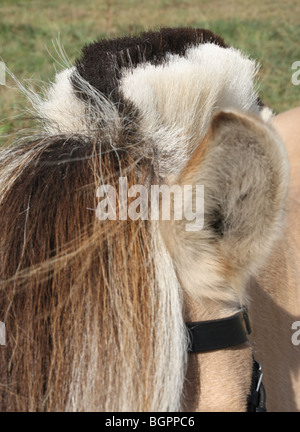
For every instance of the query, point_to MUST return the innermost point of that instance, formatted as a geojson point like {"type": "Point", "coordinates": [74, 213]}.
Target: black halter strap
{"type": "Point", "coordinates": [225, 333]}
{"type": "Point", "coordinates": [220, 333]}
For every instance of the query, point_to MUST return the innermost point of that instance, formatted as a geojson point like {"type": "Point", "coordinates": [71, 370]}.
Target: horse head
{"type": "Point", "coordinates": [95, 307]}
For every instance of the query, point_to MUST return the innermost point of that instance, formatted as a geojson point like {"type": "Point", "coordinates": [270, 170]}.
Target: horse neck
{"type": "Point", "coordinates": [274, 307]}
{"type": "Point", "coordinates": [216, 377]}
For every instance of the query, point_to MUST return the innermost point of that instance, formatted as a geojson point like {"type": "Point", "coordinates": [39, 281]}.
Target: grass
{"type": "Point", "coordinates": [266, 29]}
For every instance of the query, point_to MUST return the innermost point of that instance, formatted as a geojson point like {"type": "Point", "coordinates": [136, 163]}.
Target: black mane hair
{"type": "Point", "coordinates": [101, 62]}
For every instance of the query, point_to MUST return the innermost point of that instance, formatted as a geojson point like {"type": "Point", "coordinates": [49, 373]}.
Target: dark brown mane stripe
{"type": "Point", "coordinates": [102, 61]}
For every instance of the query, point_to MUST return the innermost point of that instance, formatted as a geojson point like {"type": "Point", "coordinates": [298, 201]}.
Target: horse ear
{"type": "Point", "coordinates": [243, 167]}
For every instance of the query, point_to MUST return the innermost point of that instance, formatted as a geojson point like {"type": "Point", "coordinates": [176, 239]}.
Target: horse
{"type": "Point", "coordinates": [101, 310]}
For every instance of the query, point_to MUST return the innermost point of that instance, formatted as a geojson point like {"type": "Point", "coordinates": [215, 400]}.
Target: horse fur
{"type": "Point", "coordinates": [95, 312]}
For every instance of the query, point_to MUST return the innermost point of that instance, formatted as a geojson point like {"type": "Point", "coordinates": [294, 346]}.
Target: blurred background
{"type": "Point", "coordinates": [268, 30]}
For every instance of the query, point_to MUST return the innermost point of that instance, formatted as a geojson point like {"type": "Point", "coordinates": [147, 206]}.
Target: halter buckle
{"type": "Point", "coordinates": [257, 400]}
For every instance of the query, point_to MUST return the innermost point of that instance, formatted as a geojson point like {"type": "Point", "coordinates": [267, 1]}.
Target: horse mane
{"type": "Point", "coordinates": [93, 312]}
{"type": "Point", "coordinates": [91, 319]}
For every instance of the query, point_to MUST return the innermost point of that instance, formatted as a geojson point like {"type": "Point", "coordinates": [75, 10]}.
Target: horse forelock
{"type": "Point", "coordinates": [90, 307]}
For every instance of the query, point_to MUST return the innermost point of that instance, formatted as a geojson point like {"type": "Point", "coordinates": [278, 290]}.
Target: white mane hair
{"type": "Point", "coordinates": [176, 99]}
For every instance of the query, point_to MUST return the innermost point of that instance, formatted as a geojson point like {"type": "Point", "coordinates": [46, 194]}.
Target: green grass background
{"type": "Point", "coordinates": [268, 30]}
